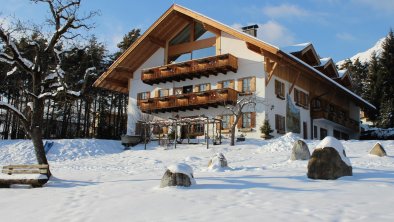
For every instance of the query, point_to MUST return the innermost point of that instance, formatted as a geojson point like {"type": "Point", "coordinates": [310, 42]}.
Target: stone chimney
{"type": "Point", "coordinates": [251, 30]}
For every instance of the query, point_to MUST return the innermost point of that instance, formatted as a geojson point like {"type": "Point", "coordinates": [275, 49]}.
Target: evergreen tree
{"type": "Point", "coordinates": [386, 74]}
{"type": "Point", "coordinates": [128, 39]}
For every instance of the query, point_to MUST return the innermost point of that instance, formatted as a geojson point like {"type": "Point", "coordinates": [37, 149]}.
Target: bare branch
{"type": "Point", "coordinates": [24, 63]}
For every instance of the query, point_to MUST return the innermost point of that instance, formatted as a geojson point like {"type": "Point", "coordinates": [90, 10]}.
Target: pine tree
{"type": "Point", "coordinates": [386, 73]}
{"type": "Point", "coordinates": [373, 92]}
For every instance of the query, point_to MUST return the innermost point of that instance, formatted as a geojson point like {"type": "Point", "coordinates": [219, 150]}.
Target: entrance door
{"type": "Point", "coordinates": [305, 130]}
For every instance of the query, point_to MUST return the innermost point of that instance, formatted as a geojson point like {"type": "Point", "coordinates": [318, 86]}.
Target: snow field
{"type": "Point", "coordinates": [95, 180]}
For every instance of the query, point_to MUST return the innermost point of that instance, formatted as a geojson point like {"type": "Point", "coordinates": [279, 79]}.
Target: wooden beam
{"type": "Point", "coordinates": [190, 46]}
{"type": "Point", "coordinates": [117, 83]}
{"type": "Point", "coordinates": [157, 41]}
{"type": "Point", "coordinates": [294, 82]}
{"type": "Point", "coordinates": [218, 45]}
{"type": "Point", "coordinates": [211, 29]}
{"type": "Point", "coordinates": [271, 73]}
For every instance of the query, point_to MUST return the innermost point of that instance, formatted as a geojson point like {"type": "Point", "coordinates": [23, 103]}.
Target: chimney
{"type": "Point", "coordinates": [251, 30]}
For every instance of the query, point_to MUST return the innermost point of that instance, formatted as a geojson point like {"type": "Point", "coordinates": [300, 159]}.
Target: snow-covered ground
{"type": "Point", "coordinates": [95, 180]}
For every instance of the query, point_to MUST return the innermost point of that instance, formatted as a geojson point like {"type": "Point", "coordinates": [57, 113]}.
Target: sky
{"type": "Point", "coordinates": [337, 28]}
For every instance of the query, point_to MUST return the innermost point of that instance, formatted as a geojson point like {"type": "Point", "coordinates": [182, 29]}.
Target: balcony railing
{"type": "Point", "coordinates": [336, 118]}
{"type": "Point", "coordinates": [190, 101]}
{"type": "Point", "coordinates": [190, 69]}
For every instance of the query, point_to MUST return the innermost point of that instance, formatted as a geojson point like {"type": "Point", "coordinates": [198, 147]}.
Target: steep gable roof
{"type": "Point", "coordinates": [172, 21]}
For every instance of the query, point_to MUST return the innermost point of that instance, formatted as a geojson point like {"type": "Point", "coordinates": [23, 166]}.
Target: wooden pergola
{"type": "Point", "coordinates": [177, 121]}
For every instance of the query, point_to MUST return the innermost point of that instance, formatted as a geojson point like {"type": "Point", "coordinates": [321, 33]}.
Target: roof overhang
{"type": "Point", "coordinates": [171, 22]}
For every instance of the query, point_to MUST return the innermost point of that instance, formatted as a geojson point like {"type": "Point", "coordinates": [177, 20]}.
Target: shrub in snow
{"type": "Point", "coordinates": [300, 151]}
{"type": "Point", "coordinates": [179, 174]}
{"type": "Point", "coordinates": [329, 161]}
{"type": "Point", "coordinates": [378, 150]}
{"type": "Point", "coordinates": [217, 161]}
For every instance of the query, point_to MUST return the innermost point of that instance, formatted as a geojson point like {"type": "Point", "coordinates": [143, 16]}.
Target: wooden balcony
{"type": "Point", "coordinates": [190, 69]}
{"type": "Point", "coordinates": [336, 118]}
{"type": "Point", "coordinates": [190, 101]}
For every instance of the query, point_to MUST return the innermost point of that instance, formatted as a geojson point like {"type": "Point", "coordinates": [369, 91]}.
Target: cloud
{"type": "Point", "coordinates": [381, 5]}
{"type": "Point", "coordinates": [272, 32]}
{"type": "Point", "coordinates": [345, 36]}
{"type": "Point", "coordinates": [285, 10]}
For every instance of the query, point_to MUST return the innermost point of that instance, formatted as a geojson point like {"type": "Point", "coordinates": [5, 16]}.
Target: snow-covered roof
{"type": "Point", "coordinates": [342, 72]}
{"type": "Point", "coordinates": [295, 48]}
{"type": "Point", "coordinates": [330, 80]}
{"type": "Point", "coordinates": [323, 61]}
{"type": "Point", "coordinates": [330, 141]}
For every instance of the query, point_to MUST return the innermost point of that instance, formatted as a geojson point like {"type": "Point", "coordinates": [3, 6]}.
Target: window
{"type": "Point", "coordinates": [226, 84]}
{"type": "Point", "coordinates": [178, 91]}
{"type": "Point", "coordinates": [314, 132]}
{"type": "Point", "coordinates": [280, 124]}
{"type": "Point", "coordinates": [226, 121]}
{"type": "Point", "coordinates": [280, 89]}
{"type": "Point", "coordinates": [163, 92]}
{"type": "Point", "coordinates": [246, 120]}
{"type": "Point", "coordinates": [198, 128]}
{"type": "Point", "coordinates": [301, 98]}
{"type": "Point", "coordinates": [143, 95]}
{"type": "Point", "coordinates": [187, 89]}
{"type": "Point", "coordinates": [337, 134]}
{"type": "Point", "coordinates": [316, 104]}
{"type": "Point", "coordinates": [323, 133]}
{"type": "Point", "coordinates": [203, 87]}
{"type": "Point", "coordinates": [247, 85]}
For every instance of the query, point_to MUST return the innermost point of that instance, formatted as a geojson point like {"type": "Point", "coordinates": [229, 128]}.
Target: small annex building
{"type": "Point", "coordinates": [187, 64]}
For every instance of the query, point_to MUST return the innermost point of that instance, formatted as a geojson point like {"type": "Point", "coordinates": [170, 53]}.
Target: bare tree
{"type": "Point", "coordinates": [44, 66]}
{"type": "Point", "coordinates": [245, 102]}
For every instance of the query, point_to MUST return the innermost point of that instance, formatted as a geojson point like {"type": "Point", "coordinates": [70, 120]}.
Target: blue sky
{"type": "Point", "coordinates": [337, 28]}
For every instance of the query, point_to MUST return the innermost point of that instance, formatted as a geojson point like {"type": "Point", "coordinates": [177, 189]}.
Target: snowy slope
{"type": "Point", "coordinates": [365, 57]}
{"type": "Point", "coordinates": [94, 180]}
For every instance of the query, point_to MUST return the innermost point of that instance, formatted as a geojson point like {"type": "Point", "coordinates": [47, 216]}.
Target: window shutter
{"type": "Point", "coordinates": [156, 93]}
{"type": "Point", "coordinates": [196, 88]}
{"type": "Point", "coordinates": [231, 120]}
{"type": "Point", "coordinates": [220, 85]}
{"type": "Point", "coordinates": [239, 85]}
{"type": "Point", "coordinates": [148, 96]}
{"type": "Point", "coordinates": [165, 130]}
{"type": "Point", "coordinates": [139, 96]}
{"type": "Point", "coordinates": [208, 86]}
{"type": "Point", "coordinates": [232, 84]}
{"type": "Point", "coordinates": [253, 84]}
{"type": "Point", "coordinates": [276, 122]}
{"type": "Point", "coordinates": [282, 92]}
{"type": "Point", "coordinates": [239, 124]}
{"type": "Point", "coordinates": [253, 119]}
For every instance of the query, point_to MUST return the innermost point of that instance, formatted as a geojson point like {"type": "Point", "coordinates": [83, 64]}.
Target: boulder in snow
{"type": "Point", "coordinates": [300, 151]}
{"type": "Point", "coordinates": [378, 150]}
{"type": "Point", "coordinates": [179, 174]}
{"type": "Point", "coordinates": [329, 161]}
{"type": "Point", "coordinates": [217, 161]}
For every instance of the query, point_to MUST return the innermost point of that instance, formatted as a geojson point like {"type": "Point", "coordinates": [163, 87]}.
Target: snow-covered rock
{"type": "Point", "coordinates": [329, 161]}
{"type": "Point", "coordinates": [218, 161]}
{"type": "Point", "coordinates": [378, 150]}
{"type": "Point", "coordinates": [300, 151]}
{"type": "Point", "coordinates": [179, 174]}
